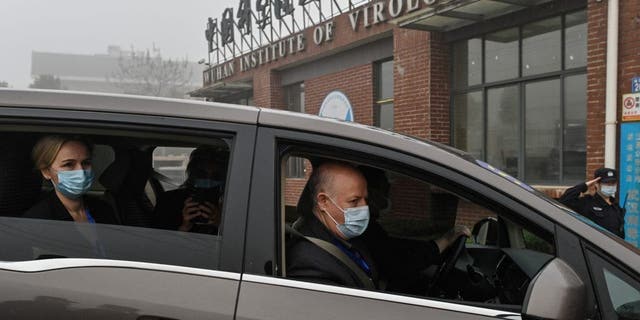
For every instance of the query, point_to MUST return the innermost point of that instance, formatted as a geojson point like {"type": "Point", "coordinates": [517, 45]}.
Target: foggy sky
{"type": "Point", "coordinates": [89, 26]}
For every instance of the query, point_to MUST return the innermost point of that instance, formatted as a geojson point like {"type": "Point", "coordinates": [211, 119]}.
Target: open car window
{"type": "Point", "coordinates": [409, 209]}
{"type": "Point", "coordinates": [138, 213]}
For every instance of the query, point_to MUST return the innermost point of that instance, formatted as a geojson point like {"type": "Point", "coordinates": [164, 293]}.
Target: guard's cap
{"type": "Point", "coordinates": [606, 175]}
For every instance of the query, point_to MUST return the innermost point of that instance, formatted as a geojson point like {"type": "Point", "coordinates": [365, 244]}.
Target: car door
{"type": "Point", "coordinates": [66, 270]}
{"type": "Point", "coordinates": [266, 294]}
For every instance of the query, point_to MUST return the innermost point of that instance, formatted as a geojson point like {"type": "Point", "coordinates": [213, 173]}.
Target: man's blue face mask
{"type": "Point", "coordinates": [356, 220]}
{"type": "Point", "coordinates": [74, 183]}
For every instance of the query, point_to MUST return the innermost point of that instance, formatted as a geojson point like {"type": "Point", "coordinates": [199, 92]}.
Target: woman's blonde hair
{"type": "Point", "coordinates": [47, 148]}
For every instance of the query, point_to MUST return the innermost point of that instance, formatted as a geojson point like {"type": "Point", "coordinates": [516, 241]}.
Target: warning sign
{"type": "Point", "coordinates": [631, 107]}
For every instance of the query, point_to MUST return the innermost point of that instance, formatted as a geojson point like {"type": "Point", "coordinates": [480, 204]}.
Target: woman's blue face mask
{"type": "Point", "coordinates": [74, 183]}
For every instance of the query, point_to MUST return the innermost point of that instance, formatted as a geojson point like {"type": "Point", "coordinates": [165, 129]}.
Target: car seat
{"type": "Point", "coordinates": [20, 182]}
{"type": "Point", "coordinates": [125, 180]}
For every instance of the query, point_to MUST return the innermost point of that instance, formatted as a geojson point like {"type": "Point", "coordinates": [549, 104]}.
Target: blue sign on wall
{"type": "Point", "coordinates": [630, 178]}
{"type": "Point", "coordinates": [635, 85]}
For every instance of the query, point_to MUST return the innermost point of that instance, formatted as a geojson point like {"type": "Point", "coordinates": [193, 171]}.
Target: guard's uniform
{"type": "Point", "coordinates": [595, 208]}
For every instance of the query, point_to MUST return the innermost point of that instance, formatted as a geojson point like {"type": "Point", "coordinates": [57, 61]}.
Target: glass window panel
{"type": "Point", "coordinates": [295, 168]}
{"type": "Point", "coordinates": [501, 55]}
{"type": "Point", "coordinates": [468, 123]}
{"type": "Point", "coordinates": [541, 46]}
{"type": "Point", "coordinates": [575, 37]}
{"type": "Point", "coordinates": [295, 97]}
{"type": "Point", "coordinates": [575, 123]}
{"type": "Point", "coordinates": [386, 80]}
{"type": "Point", "coordinates": [172, 163]}
{"type": "Point", "coordinates": [467, 63]}
{"type": "Point", "coordinates": [542, 131]}
{"type": "Point", "coordinates": [503, 128]}
{"type": "Point", "coordinates": [384, 116]}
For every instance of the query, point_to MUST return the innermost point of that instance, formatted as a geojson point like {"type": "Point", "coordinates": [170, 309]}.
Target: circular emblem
{"type": "Point", "coordinates": [336, 105]}
{"type": "Point", "coordinates": [629, 102]}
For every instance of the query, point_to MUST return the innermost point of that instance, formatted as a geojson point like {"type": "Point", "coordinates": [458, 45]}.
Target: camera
{"type": "Point", "coordinates": [205, 193]}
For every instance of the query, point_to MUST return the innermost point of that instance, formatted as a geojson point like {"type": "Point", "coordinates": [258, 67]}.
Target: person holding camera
{"type": "Point", "coordinates": [197, 205]}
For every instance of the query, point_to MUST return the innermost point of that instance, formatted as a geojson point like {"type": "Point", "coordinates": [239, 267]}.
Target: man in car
{"type": "Point", "coordinates": [338, 217]}
{"type": "Point", "coordinates": [595, 199]}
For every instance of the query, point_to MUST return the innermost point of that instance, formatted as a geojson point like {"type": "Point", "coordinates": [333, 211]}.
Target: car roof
{"type": "Point", "coordinates": [446, 156]}
{"type": "Point", "coordinates": [122, 103]}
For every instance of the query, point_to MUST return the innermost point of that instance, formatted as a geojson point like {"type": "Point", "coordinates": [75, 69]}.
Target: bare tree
{"type": "Point", "coordinates": [146, 74]}
{"type": "Point", "coordinates": [47, 81]}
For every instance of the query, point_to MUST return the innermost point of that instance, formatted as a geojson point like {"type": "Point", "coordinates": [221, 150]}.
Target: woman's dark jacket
{"type": "Point", "coordinates": [51, 208]}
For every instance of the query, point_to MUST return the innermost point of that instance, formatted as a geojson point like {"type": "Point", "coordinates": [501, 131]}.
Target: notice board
{"type": "Point", "coordinates": [630, 178]}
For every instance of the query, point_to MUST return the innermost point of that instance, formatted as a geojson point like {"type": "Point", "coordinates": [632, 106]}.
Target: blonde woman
{"type": "Point", "coordinates": [66, 162]}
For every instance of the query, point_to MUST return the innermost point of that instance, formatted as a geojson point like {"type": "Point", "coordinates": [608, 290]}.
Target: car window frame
{"type": "Point", "coordinates": [264, 229]}
{"type": "Point", "coordinates": [240, 164]}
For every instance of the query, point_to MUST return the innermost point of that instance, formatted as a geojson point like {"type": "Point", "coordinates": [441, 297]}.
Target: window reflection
{"type": "Point", "coordinates": [541, 46]}
{"type": "Point", "coordinates": [383, 110]}
{"type": "Point", "coordinates": [468, 122]}
{"type": "Point", "coordinates": [575, 118]}
{"type": "Point", "coordinates": [575, 40]}
{"type": "Point", "coordinates": [501, 55]}
{"type": "Point", "coordinates": [468, 63]}
{"type": "Point", "coordinates": [503, 128]}
{"type": "Point", "coordinates": [542, 131]}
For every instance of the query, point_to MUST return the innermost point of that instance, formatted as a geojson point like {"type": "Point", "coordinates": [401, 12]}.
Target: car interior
{"type": "Point", "coordinates": [409, 208]}
{"type": "Point", "coordinates": [132, 171]}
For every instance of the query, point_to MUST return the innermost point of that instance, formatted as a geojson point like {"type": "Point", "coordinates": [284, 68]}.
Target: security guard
{"type": "Point", "coordinates": [595, 199]}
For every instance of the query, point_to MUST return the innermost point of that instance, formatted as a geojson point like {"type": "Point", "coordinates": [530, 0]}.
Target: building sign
{"type": "Point", "coordinates": [630, 178]}
{"type": "Point", "coordinates": [635, 85]}
{"type": "Point", "coordinates": [336, 105]}
{"type": "Point", "coordinates": [631, 107]}
{"type": "Point", "coordinates": [236, 46]}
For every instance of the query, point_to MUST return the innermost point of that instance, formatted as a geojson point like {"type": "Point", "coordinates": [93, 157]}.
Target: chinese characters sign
{"type": "Point", "coordinates": [631, 107]}
{"type": "Point", "coordinates": [630, 178]}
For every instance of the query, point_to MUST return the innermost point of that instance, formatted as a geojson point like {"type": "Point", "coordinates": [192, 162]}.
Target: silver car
{"type": "Point", "coordinates": [529, 257]}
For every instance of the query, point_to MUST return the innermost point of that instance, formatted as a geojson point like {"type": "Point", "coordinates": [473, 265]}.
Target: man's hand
{"type": "Point", "coordinates": [591, 186]}
{"type": "Point", "coordinates": [191, 210]}
{"type": "Point", "coordinates": [451, 236]}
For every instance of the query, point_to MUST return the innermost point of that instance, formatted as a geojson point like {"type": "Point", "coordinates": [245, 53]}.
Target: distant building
{"type": "Point", "coordinates": [83, 72]}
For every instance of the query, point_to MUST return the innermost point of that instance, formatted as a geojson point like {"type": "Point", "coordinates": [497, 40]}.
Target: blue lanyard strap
{"type": "Point", "coordinates": [355, 256]}
{"type": "Point", "coordinates": [90, 218]}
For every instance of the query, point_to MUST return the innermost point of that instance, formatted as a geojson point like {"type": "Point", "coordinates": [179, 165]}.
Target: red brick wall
{"type": "Point", "coordinates": [421, 84]}
{"type": "Point", "coordinates": [629, 47]}
{"type": "Point", "coordinates": [410, 86]}
{"type": "Point", "coordinates": [267, 90]}
{"type": "Point", "coordinates": [596, 83]}
{"type": "Point", "coordinates": [356, 83]}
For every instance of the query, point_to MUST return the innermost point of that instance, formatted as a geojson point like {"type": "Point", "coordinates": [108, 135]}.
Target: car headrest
{"type": "Point", "coordinates": [114, 175]}
{"type": "Point", "coordinates": [20, 182]}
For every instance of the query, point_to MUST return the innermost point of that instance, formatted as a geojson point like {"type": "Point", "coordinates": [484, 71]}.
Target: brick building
{"type": "Point", "coordinates": [517, 83]}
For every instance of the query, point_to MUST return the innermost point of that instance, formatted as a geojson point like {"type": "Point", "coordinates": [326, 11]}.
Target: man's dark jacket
{"type": "Point", "coordinates": [595, 208]}
{"type": "Point", "coordinates": [399, 263]}
{"type": "Point", "coordinates": [308, 262]}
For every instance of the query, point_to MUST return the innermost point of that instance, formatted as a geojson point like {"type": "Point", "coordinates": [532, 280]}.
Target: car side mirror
{"type": "Point", "coordinates": [556, 292]}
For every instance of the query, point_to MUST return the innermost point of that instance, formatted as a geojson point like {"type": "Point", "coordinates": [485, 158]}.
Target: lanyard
{"type": "Point", "coordinates": [355, 256]}
{"type": "Point", "coordinates": [90, 218]}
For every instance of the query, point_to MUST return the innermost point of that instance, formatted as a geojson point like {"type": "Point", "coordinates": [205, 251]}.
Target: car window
{"type": "Point", "coordinates": [122, 221]}
{"type": "Point", "coordinates": [619, 294]}
{"type": "Point", "coordinates": [172, 163]}
{"type": "Point", "coordinates": [409, 209]}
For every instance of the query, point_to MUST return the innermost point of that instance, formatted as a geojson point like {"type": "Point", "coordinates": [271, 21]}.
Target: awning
{"type": "Point", "coordinates": [221, 89]}
{"type": "Point", "coordinates": [456, 14]}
